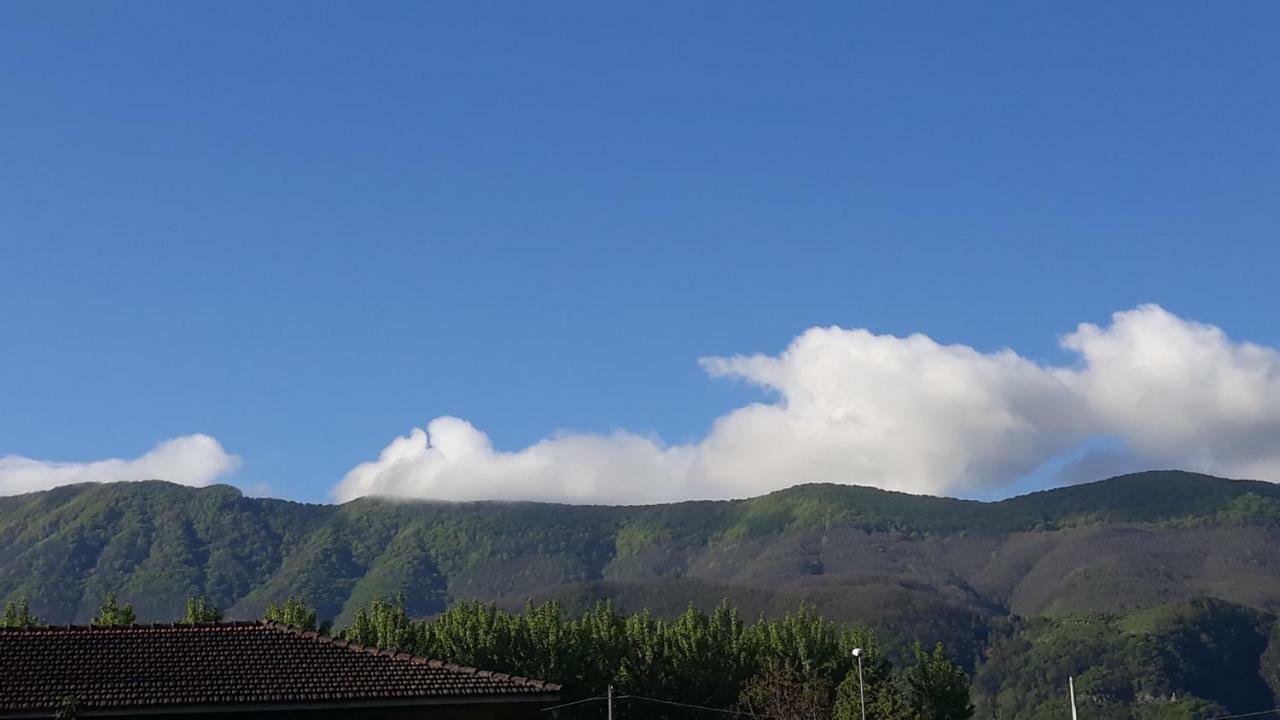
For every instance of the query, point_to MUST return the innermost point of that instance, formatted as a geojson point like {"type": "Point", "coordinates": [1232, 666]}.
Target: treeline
{"type": "Point", "coordinates": [798, 666]}
{"type": "Point", "coordinates": [111, 612]}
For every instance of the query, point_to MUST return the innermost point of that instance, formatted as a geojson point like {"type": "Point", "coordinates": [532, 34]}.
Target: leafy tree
{"type": "Point", "coordinates": [201, 610]}
{"type": "Point", "coordinates": [786, 692]}
{"type": "Point", "coordinates": [294, 612]}
{"type": "Point", "coordinates": [18, 615]}
{"type": "Point", "coordinates": [937, 689]}
{"type": "Point", "coordinates": [886, 695]}
{"type": "Point", "coordinates": [385, 625]}
{"type": "Point", "coordinates": [113, 613]}
{"type": "Point", "coordinates": [799, 665]}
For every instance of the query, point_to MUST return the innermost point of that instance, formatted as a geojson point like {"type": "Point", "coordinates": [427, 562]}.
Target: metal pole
{"type": "Point", "coordinates": [862, 693]}
{"type": "Point", "coordinates": [1071, 689]}
{"type": "Point", "coordinates": [610, 702]}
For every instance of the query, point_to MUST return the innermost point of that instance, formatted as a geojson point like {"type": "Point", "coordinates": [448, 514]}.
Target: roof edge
{"type": "Point", "coordinates": [408, 657]}
{"type": "Point", "coordinates": [131, 626]}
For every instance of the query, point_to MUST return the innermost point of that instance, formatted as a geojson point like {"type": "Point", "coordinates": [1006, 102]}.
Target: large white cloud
{"type": "Point", "coordinates": [189, 460]}
{"type": "Point", "coordinates": [1181, 393]}
{"type": "Point", "coordinates": [901, 413]}
{"type": "Point", "coordinates": [908, 413]}
{"type": "Point", "coordinates": [452, 459]}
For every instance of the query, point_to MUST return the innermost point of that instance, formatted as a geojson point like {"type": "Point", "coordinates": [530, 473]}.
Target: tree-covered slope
{"type": "Point", "coordinates": [855, 552]}
{"type": "Point", "coordinates": [1202, 658]}
{"type": "Point", "coordinates": [1155, 590]}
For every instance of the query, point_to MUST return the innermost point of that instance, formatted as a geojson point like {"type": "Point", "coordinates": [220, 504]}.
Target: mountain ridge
{"type": "Point", "coordinates": [949, 566]}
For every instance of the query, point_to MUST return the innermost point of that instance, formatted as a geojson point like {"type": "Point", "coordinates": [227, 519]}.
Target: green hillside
{"type": "Point", "coordinates": [1204, 658]}
{"type": "Point", "coordinates": [853, 551]}
{"type": "Point", "coordinates": [1156, 589]}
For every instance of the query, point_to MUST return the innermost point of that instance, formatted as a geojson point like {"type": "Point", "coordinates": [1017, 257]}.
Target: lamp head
{"type": "Point", "coordinates": [857, 652]}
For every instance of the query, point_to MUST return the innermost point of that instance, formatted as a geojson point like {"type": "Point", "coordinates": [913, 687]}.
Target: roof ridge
{"type": "Point", "coordinates": [174, 625]}
{"type": "Point", "coordinates": [403, 656]}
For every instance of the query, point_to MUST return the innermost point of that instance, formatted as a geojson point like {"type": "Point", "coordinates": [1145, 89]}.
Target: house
{"type": "Point", "coordinates": [242, 669]}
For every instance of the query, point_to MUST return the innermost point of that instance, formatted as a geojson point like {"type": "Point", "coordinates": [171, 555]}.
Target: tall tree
{"type": "Point", "coordinates": [113, 613]}
{"type": "Point", "coordinates": [385, 625]}
{"type": "Point", "coordinates": [886, 697]}
{"type": "Point", "coordinates": [786, 691]}
{"type": "Point", "coordinates": [294, 612]}
{"type": "Point", "coordinates": [201, 610]}
{"type": "Point", "coordinates": [18, 615]}
{"type": "Point", "coordinates": [937, 689]}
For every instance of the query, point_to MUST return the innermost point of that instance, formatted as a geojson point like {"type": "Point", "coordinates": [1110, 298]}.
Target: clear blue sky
{"type": "Point", "coordinates": [304, 228]}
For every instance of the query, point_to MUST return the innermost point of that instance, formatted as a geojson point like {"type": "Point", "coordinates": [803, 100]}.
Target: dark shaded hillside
{"type": "Point", "coordinates": [1198, 659]}
{"type": "Point", "coordinates": [943, 566]}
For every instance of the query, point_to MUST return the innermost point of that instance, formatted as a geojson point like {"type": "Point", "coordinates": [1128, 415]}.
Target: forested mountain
{"type": "Point", "coordinates": [1154, 577]}
{"type": "Point", "coordinates": [856, 553]}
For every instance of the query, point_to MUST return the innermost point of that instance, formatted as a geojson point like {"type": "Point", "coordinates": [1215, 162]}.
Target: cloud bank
{"type": "Point", "coordinates": [187, 460]}
{"type": "Point", "coordinates": [850, 406]}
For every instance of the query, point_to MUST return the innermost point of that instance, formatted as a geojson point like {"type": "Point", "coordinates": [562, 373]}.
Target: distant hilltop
{"type": "Point", "coordinates": [945, 565]}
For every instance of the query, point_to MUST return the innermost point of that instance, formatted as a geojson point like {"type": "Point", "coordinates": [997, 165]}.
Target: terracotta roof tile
{"type": "Point", "coordinates": [223, 663]}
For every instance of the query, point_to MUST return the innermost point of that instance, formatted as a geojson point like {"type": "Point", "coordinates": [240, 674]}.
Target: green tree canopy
{"type": "Point", "coordinates": [201, 610]}
{"type": "Point", "coordinates": [937, 689]}
{"type": "Point", "coordinates": [294, 612]}
{"type": "Point", "coordinates": [885, 690]}
{"type": "Point", "coordinates": [18, 614]}
{"type": "Point", "coordinates": [113, 613]}
{"type": "Point", "coordinates": [799, 662]}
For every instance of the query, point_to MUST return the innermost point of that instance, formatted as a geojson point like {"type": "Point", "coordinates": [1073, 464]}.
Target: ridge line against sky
{"type": "Point", "coordinates": [847, 406]}
{"type": "Point", "coordinates": [477, 249]}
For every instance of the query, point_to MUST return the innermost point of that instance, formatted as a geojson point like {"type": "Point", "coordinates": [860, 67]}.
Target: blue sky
{"type": "Point", "coordinates": [304, 229]}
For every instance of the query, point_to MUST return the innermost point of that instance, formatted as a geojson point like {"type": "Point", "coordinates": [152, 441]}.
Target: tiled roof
{"type": "Point", "coordinates": [243, 663]}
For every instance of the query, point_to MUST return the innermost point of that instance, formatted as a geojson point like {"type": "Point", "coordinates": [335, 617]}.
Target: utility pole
{"type": "Point", "coordinates": [610, 703]}
{"type": "Point", "coordinates": [1071, 687]}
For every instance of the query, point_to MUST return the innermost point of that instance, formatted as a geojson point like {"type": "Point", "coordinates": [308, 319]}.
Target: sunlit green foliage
{"type": "Point", "coordinates": [714, 659]}
{"type": "Point", "coordinates": [201, 610]}
{"type": "Point", "coordinates": [113, 613]}
{"type": "Point", "coordinates": [293, 612]}
{"type": "Point", "coordinates": [18, 614]}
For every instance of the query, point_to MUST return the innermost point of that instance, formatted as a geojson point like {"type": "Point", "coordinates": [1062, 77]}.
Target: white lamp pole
{"type": "Point", "coordinates": [1071, 689]}
{"type": "Point", "coordinates": [862, 694]}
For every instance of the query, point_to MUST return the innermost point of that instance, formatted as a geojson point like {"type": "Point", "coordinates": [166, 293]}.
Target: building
{"type": "Point", "coordinates": [242, 669]}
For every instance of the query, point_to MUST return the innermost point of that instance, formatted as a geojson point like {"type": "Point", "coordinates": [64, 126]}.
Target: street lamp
{"type": "Point", "coordinates": [862, 695]}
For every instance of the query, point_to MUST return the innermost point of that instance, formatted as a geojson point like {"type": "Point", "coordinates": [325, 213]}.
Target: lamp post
{"type": "Point", "coordinates": [862, 694]}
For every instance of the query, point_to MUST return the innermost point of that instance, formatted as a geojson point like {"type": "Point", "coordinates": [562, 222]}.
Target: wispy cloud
{"type": "Point", "coordinates": [188, 460]}
{"type": "Point", "coordinates": [907, 413]}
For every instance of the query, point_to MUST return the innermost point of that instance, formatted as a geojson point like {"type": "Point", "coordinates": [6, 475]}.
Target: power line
{"type": "Point", "coordinates": [743, 713]}
{"type": "Point", "coordinates": [739, 713]}
{"type": "Point", "coordinates": [695, 707]}
{"type": "Point", "coordinates": [575, 702]}
{"type": "Point", "coordinates": [1245, 715]}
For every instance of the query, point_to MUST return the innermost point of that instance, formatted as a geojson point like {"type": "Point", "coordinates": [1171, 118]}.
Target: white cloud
{"type": "Point", "coordinates": [188, 460]}
{"type": "Point", "coordinates": [451, 459]}
{"type": "Point", "coordinates": [1181, 393]}
{"type": "Point", "coordinates": [908, 414]}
